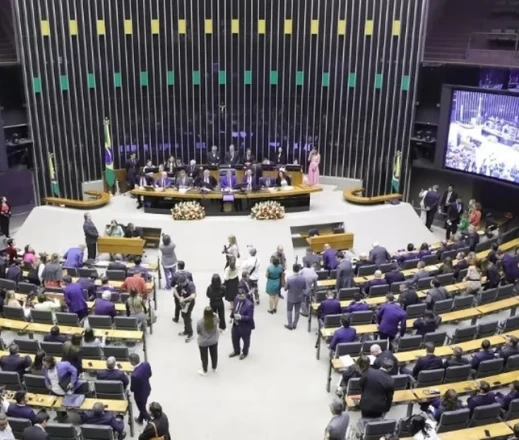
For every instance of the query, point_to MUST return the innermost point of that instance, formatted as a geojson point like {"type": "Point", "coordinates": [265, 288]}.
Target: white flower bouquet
{"type": "Point", "coordinates": [188, 211]}
{"type": "Point", "coordinates": [268, 211]}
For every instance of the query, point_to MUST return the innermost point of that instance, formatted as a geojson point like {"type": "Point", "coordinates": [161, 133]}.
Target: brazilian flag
{"type": "Point", "coordinates": [54, 185]}
{"type": "Point", "coordinates": [109, 156]}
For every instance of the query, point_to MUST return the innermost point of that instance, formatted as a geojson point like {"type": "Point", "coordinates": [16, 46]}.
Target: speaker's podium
{"type": "Point", "coordinates": [120, 245]}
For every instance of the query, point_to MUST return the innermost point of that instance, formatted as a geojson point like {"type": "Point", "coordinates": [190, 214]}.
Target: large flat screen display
{"type": "Point", "coordinates": [483, 134]}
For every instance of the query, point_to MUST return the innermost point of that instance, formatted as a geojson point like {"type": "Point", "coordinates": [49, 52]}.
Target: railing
{"type": "Point", "coordinates": [493, 41]}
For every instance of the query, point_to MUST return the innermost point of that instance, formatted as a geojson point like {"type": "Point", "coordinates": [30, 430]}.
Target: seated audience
{"type": "Point", "coordinates": [139, 267]}
{"type": "Point", "coordinates": [37, 364]}
{"type": "Point", "coordinates": [382, 357]}
{"type": "Point", "coordinates": [461, 263]}
{"type": "Point", "coordinates": [14, 361]}
{"type": "Point", "coordinates": [89, 339]}
{"type": "Point", "coordinates": [421, 427]}
{"type": "Point", "coordinates": [482, 397]}
{"type": "Point", "coordinates": [473, 278]}
{"type": "Point", "coordinates": [448, 402]}
{"type": "Point", "coordinates": [457, 359]}
{"type": "Point", "coordinates": [409, 255]}
{"type": "Point", "coordinates": [357, 305]}
{"type": "Point", "coordinates": [485, 354]}
{"type": "Point", "coordinates": [475, 216]}
{"type": "Point", "coordinates": [74, 257]}
{"type": "Point", "coordinates": [491, 273]}
{"type": "Point", "coordinates": [11, 301]}
{"type": "Point", "coordinates": [330, 306]}
{"type": "Point", "coordinates": [505, 399]}
{"type": "Point", "coordinates": [163, 182]}
{"type": "Point", "coordinates": [390, 316]}
{"type": "Point", "coordinates": [408, 296]}
{"type": "Point", "coordinates": [428, 362]}
{"type": "Point", "coordinates": [420, 273]}
{"type": "Point", "coordinates": [98, 416]}
{"type": "Point", "coordinates": [376, 281]}
{"type": "Point", "coordinates": [113, 373]}
{"type": "Point", "coordinates": [48, 305]}
{"type": "Point", "coordinates": [330, 257]}
{"type": "Point", "coordinates": [494, 254]}
{"type": "Point", "coordinates": [14, 272]}
{"type": "Point", "coordinates": [228, 181]}
{"type": "Point", "coordinates": [472, 238]}
{"type": "Point", "coordinates": [21, 409]}
{"type": "Point", "coordinates": [118, 264]}
{"type": "Point", "coordinates": [394, 275]}
{"type": "Point", "coordinates": [511, 348]}
{"type": "Point", "coordinates": [283, 179]}
{"type": "Point", "coordinates": [424, 251]}
{"type": "Point", "coordinates": [104, 306]}
{"type": "Point", "coordinates": [55, 336]}
{"type": "Point", "coordinates": [114, 229]}
{"type": "Point", "coordinates": [33, 275]}
{"type": "Point", "coordinates": [89, 284]}
{"type": "Point", "coordinates": [379, 254]}
{"type": "Point", "coordinates": [353, 371]}
{"type": "Point", "coordinates": [206, 181]}
{"type": "Point", "coordinates": [436, 293]}
{"type": "Point", "coordinates": [105, 285]}
{"type": "Point", "coordinates": [362, 261]}
{"type": "Point", "coordinates": [338, 425]}
{"type": "Point", "coordinates": [343, 334]}
{"type": "Point", "coordinates": [428, 324]}
{"type": "Point", "coordinates": [52, 274]}
{"type": "Point", "coordinates": [29, 256]}
{"type": "Point", "coordinates": [135, 282]}
{"type": "Point", "coordinates": [446, 266]}
{"type": "Point", "coordinates": [56, 373]}
{"type": "Point", "coordinates": [37, 432]}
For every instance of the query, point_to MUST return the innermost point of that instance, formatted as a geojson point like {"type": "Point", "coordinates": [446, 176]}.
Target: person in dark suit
{"type": "Point", "coordinates": [163, 182]}
{"type": "Point", "coordinates": [98, 416]}
{"type": "Point", "coordinates": [140, 385]}
{"type": "Point", "coordinates": [206, 181]}
{"type": "Point", "coordinates": [14, 362]}
{"type": "Point", "coordinates": [280, 158]}
{"type": "Point", "coordinates": [457, 359]}
{"type": "Point", "coordinates": [118, 264]}
{"type": "Point", "coordinates": [330, 306]}
{"type": "Point", "coordinates": [37, 432]}
{"type": "Point", "coordinates": [112, 373]}
{"type": "Point", "coordinates": [55, 336]}
{"type": "Point", "coordinates": [89, 284]}
{"type": "Point", "coordinates": [419, 274]}
{"type": "Point", "coordinates": [213, 157]}
{"type": "Point", "coordinates": [505, 399]}
{"type": "Point", "coordinates": [428, 324]}
{"type": "Point", "coordinates": [193, 170]}
{"type": "Point", "coordinates": [436, 293]}
{"type": "Point", "coordinates": [461, 264]}
{"type": "Point", "coordinates": [141, 181]}
{"type": "Point", "coordinates": [411, 254]}
{"type": "Point", "coordinates": [14, 272]}
{"type": "Point", "coordinates": [454, 212]}
{"type": "Point", "coordinates": [243, 323]}
{"type": "Point", "coordinates": [21, 409]}
{"type": "Point", "coordinates": [377, 388]}
{"type": "Point", "coordinates": [248, 158]}
{"type": "Point", "coordinates": [428, 362]}
{"type": "Point", "coordinates": [183, 181]}
{"type": "Point", "coordinates": [343, 334]}
{"type": "Point", "coordinates": [283, 179]}
{"type": "Point", "coordinates": [408, 296]}
{"type": "Point", "coordinates": [344, 272]}
{"type": "Point", "coordinates": [389, 317]}
{"type": "Point", "coordinates": [158, 426]}
{"type": "Point", "coordinates": [447, 199]}
{"type": "Point", "coordinates": [511, 348]}
{"type": "Point", "coordinates": [483, 396]}
{"type": "Point", "coordinates": [329, 257]}
{"type": "Point", "coordinates": [431, 202]}
{"type": "Point", "coordinates": [485, 354]}
{"type": "Point", "coordinates": [384, 356]}
{"type": "Point", "coordinates": [395, 275]}
{"type": "Point", "coordinates": [228, 181]}
{"type": "Point", "coordinates": [131, 171]}
{"type": "Point", "coordinates": [357, 305]}
{"type": "Point", "coordinates": [249, 180]}
{"type": "Point", "coordinates": [231, 157]}
{"type": "Point", "coordinates": [472, 239]}
{"type": "Point", "coordinates": [91, 236]}
{"type": "Point", "coordinates": [377, 280]}
{"type": "Point", "coordinates": [379, 254]}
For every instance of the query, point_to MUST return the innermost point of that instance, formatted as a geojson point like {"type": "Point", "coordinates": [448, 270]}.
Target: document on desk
{"type": "Point", "coordinates": [287, 188]}
{"type": "Point", "coordinates": [183, 190]}
{"type": "Point", "coordinates": [346, 360]}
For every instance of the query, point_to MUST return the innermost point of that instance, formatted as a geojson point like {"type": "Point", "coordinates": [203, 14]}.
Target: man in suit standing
{"type": "Point", "coordinates": [163, 182]}
{"type": "Point", "coordinates": [311, 258]}
{"type": "Point", "coordinates": [231, 157]}
{"type": "Point", "coordinates": [228, 181]}
{"type": "Point", "coordinates": [453, 218]}
{"type": "Point", "coordinates": [431, 202]}
{"type": "Point", "coordinates": [390, 315]}
{"type": "Point", "coordinates": [91, 236]}
{"type": "Point", "coordinates": [37, 432]}
{"type": "Point", "coordinates": [377, 389]}
{"type": "Point", "coordinates": [73, 295]}
{"type": "Point", "coordinates": [185, 292]}
{"type": "Point", "coordinates": [140, 386]}
{"type": "Point", "coordinates": [112, 373]}
{"type": "Point", "coordinates": [329, 257]}
{"type": "Point", "coordinates": [206, 181]}
{"type": "Point", "coordinates": [379, 254]}
{"type": "Point", "coordinates": [344, 272]}
{"type": "Point", "coordinates": [242, 316]}
{"type": "Point", "coordinates": [213, 157]}
{"type": "Point", "coordinates": [295, 288]}
{"type": "Point", "coordinates": [14, 362]}
{"type": "Point", "coordinates": [181, 270]}
{"type": "Point", "coordinates": [131, 171]}
{"type": "Point", "coordinates": [448, 198]}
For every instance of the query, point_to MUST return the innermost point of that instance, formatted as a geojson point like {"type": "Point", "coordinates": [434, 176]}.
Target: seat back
{"type": "Point", "coordinates": [53, 289]}
{"type": "Point", "coordinates": [52, 348]}
{"type": "Point", "coordinates": [68, 319]}
{"type": "Point", "coordinates": [437, 338]}
{"type": "Point", "coordinates": [490, 367]}
{"type": "Point", "coordinates": [18, 425]}
{"type": "Point", "coordinates": [109, 389]}
{"type": "Point", "coordinates": [386, 267]}
{"type": "Point", "coordinates": [451, 254]}
{"type": "Point", "coordinates": [446, 278]}
{"type": "Point", "coordinates": [487, 296]}
{"type": "Point", "coordinates": [487, 329]}
{"type": "Point", "coordinates": [115, 275]}
{"type": "Point", "coordinates": [512, 363]}
{"type": "Point", "coordinates": [457, 374]}
{"type": "Point", "coordinates": [7, 284]}
{"type": "Point", "coordinates": [407, 343]}
{"type": "Point", "coordinates": [465, 250]}
{"type": "Point", "coordinates": [463, 273]}
{"type": "Point", "coordinates": [395, 287]}
{"type": "Point", "coordinates": [463, 302]}
{"type": "Point", "coordinates": [353, 387]}
{"type": "Point", "coordinates": [320, 296]}
{"type": "Point", "coordinates": [424, 283]}
{"type": "Point", "coordinates": [505, 291]}
{"type": "Point", "coordinates": [400, 381]}
{"type": "Point", "coordinates": [27, 288]}
{"type": "Point", "coordinates": [513, 411]}
{"type": "Point", "coordinates": [42, 316]}
{"type": "Point", "coordinates": [485, 414]}
{"type": "Point", "coordinates": [369, 269]}
{"type": "Point", "coordinates": [90, 352]}
{"type": "Point", "coordinates": [366, 345]}
{"type": "Point", "coordinates": [99, 321]}
{"type": "Point", "coordinates": [87, 272]}
{"type": "Point", "coordinates": [346, 293]}
{"type": "Point", "coordinates": [453, 420]}
{"type": "Point", "coordinates": [119, 353]}
{"type": "Point", "coordinates": [410, 264]}
{"type": "Point", "coordinates": [351, 348]}
{"type": "Point", "coordinates": [72, 271]}
{"type": "Point", "coordinates": [428, 378]}
{"type": "Point", "coordinates": [415, 311]}
{"type": "Point", "coordinates": [379, 290]}
{"type": "Point", "coordinates": [27, 345]}
{"type": "Point", "coordinates": [322, 274]}
{"type": "Point", "coordinates": [464, 334]}
{"type": "Point", "coordinates": [511, 324]}
{"type": "Point", "coordinates": [61, 431]}
{"type": "Point", "coordinates": [97, 432]}
{"type": "Point", "coordinates": [483, 246]}
{"type": "Point", "coordinates": [15, 313]}
{"type": "Point", "coordinates": [11, 380]}
{"type": "Point", "coordinates": [442, 306]}
{"type": "Point", "coordinates": [376, 430]}
{"type": "Point", "coordinates": [333, 274]}
{"type": "Point", "coordinates": [430, 259]}
{"type": "Point", "coordinates": [332, 321]}
{"type": "Point", "coordinates": [35, 384]}
{"type": "Point", "coordinates": [114, 296]}
{"type": "Point", "coordinates": [361, 318]}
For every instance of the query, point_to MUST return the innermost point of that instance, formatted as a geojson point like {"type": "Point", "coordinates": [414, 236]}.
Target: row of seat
{"type": "Point", "coordinates": [64, 431]}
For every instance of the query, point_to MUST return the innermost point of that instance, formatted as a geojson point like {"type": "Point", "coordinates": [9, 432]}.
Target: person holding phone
{"type": "Point", "coordinates": [185, 292]}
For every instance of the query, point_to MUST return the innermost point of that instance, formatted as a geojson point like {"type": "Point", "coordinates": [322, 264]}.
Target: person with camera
{"type": "Point", "coordinates": [185, 293]}
{"type": "Point", "coordinates": [231, 249]}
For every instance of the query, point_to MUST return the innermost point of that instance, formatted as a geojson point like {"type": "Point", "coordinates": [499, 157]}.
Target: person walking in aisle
{"type": "Point", "coordinates": [295, 288]}
{"type": "Point", "coordinates": [185, 292]}
{"type": "Point", "coordinates": [243, 323]}
{"type": "Point", "coordinates": [91, 236]}
{"type": "Point", "coordinates": [207, 330]}
{"type": "Point", "coordinates": [252, 266]}
{"type": "Point", "coordinates": [140, 386]}
{"type": "Point", "coordinates": [216, 294]}
{"type": "Point", "coordinates": [5, 216]}
{"type": "Point", "coordinates": [274, 274]}
{"type": "Point", "coordinates": [169, 259]}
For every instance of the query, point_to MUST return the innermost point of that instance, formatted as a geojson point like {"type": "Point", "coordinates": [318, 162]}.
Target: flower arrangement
{"type": "Point", "coordinates": [188, 211]}
{"type": "Point", "coordinates": [267, 211]}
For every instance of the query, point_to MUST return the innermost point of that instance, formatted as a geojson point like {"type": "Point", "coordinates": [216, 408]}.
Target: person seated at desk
{"type": "Point", "coordinates": [206, 181]}
{"type": "Point", "coordinates": [138, 267]}
{"type": "Point", "coordinates": [193, 170]}
{"type": "Point", "coordinates": [428, 324]}
{"type": "Point", "coordinates": [457, 360]}
{"type": "Point", "coordinates": [33, 275]}
{"type": "Point", "coordinates": [280, 158]}
{"type": "Point", "coordinates": [330, 257]}
{"type": "Point", "coordinates": [472, 239]}
{"type": "Point", "coordinates": [135, 282]}
{"type": "Point", "coordinates": [482, 397]}
{"type": "Point", "coordinates": [117, 264]}
{"type": "Point", "coordinates": [231, 157]}
{"type": "Point", "coordinates": [408, 296]}
{"type": "Point", "coordinates": [395, 275]}
{"type": "Point", "coordinates": [113, 373]}
{"type": "Point", "coordinates": [283, 179]}
{"type": "Point", "coordinates": [74, 256]}
{"type": "Point", "coordinates": [409, 255]}
{"type": "Point", "coordinates": [104, 306]}
{"type": "Point", "coordinates": [183, 181]}
{"type": "Point", "coordinates": [132, 232]}
{"type": "Point", "coordinates": [420, 273]}
{"type": "Point", "coordinates": [105, 285]}
{"type": "Point", "coordinates": [448, 402]}
{"type": "Point", "coordinates": [357, 305]}
{"type": "Point", "coordinates": [491, 273]}
{"type": "Point", "coordinates": [228, 181]}
{"type": "Point", "coordinates": [148, 168]}
{"type": "Point", "coordinates": [343, 334]}
{"type": "Point", "coordinates": [14, 272]}
{"type": "Point", "coordinates": [29, 256]}
{"type": "Point", "coordinates": [389, 316]}
{"type": "Point", "coordinates": [249, 181]}
{"type": "Point", "coordinates": [14, 361]}
{"type": "Point", "coordinates": [48, 305]}
{"type": "Point", "coordinates": [163, 182]}
{"type": "Point", "coordinates": [461, 264]}
{"type": "Point", "coordinates": [213, 157]}
{"type": "Point", "coordinates": [114, 229]}
{"type": "Point", "coordinates": [362, 261]}
{"type": "Point", "coordinates": [505, 399]}
{"type": "Point", "coordinates": [376, 281]}
{"type": "Point", "coordinates": [89, 284]}
{"type": "Point", "coordinates": [436, 293]}
{"type": "Point", "coordinates": [248, 158]}
{"type": "Point", "coordinates": [511, 348]}
{"type": "Point", "coordinates": [424, 251]}
{"type": "Point", "coordinates": [98, 416]}
{"type": "Point", "coordinates": [330, 306]}
{"type": "Point", "coordinates": [144, 179]}
{"type": "Point", "coordinates": [425, 363]}
{"type": "Point", "coordinates": [378, 254]}
{"type": "Point", "coordinates": [382, 357]}
{"type": "Point", "coordinates": [354, 371]}
{"type": "Point", "coordinates": [21, 409]}
{"type": "Point", "coordinates": [55, 336]}
{"type": "Point", "coordinates": [485, 354]}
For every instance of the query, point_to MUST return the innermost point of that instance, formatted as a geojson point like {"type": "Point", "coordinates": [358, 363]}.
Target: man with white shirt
{"type": "Point", "coordinates": [447, 199]}
{"type": "Point", "coordinates": [310, 275]}
{"type": "Point", "coordinates": [206, 181]}
{"type": "Point", "coordinates": [6, 433]}
{"type": "Point", "coordinates": [48, 305]}
{"type": "Point", "coordinates": [252, 266]}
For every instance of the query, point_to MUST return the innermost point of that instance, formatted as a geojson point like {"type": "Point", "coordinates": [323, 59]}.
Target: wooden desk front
{"type": "Point", "coordinates": [120, 245]}
{"type": "Point", "coordinates": [336, 241]}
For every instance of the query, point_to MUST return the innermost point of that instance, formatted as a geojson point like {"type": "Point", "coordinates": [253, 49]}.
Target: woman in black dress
{"type": "Point", "coordinates": [5, 216]}
{"type": "Point", "coordinates": [216, 294]}
{"type": "Point", "coordinates": [231, 281]}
